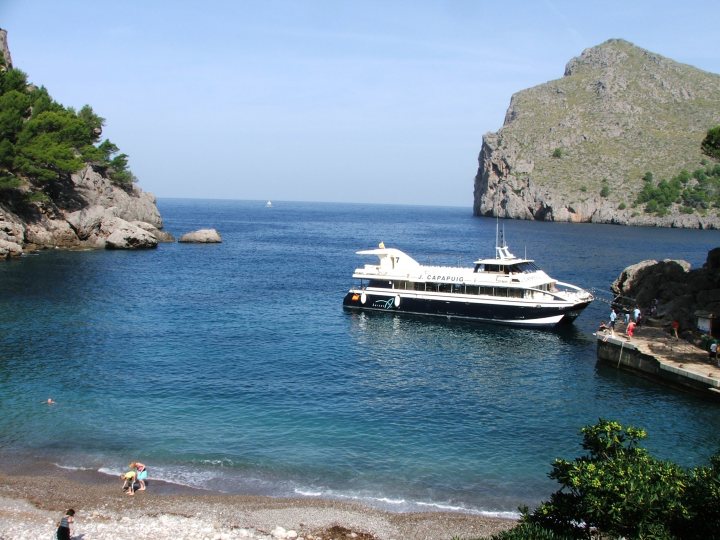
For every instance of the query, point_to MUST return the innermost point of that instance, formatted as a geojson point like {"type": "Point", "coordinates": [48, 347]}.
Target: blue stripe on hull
{"type": "Point", "coordinates": [506, 314]}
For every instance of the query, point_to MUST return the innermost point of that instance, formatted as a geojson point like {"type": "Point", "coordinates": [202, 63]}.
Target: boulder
{"type": "Point", "coordinates": [9, 249]}
{"type": "Point", "coordinates": [88, 221]}
{"type": "Point", "coordinates": [124, 235]}
{"type": "Point", "coordinates": [202, 236]}
{"type": "Point", "coordinates": [162, 236]}
{"type": "Point", "coordinates": [676, 290]}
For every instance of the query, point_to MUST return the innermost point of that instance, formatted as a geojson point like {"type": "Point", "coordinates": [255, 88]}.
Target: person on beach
{"type": "Point", "coordinates": [63, 530]}
{"type": "Point", "coordinates": [713, 351]}
{"type": "Point", "coordinates": [141, 473]}
{"type": "Point", "coordinates": [128, 479]}
{"type": "Point", "coordinates": [675, 327]}
{"type": "Point", "coordinates": [636, 314]}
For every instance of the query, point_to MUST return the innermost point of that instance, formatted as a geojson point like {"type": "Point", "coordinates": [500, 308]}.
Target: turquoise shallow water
{"type": "Point", "coordinates": [233, 367]}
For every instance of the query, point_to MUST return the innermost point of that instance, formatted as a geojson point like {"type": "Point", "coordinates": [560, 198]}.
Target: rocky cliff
{"type": "Point", "coordinates": [89, 213]}
{"type": "Point", "coordinates": [78, 211]}
{"type": "Point", "coordinates": [576, 149]}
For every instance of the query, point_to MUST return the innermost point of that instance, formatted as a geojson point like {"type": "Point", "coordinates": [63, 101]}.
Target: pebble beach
{"type": "Point", "coordinates": [32, 502]}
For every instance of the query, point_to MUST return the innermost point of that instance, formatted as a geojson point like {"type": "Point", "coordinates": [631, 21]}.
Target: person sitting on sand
{"type": "Point", "coordinates": [63, 530]}
{"type": "Point", "coordinates": [128, 479]}
{"type": "Point", "coordinates": [141, 473]}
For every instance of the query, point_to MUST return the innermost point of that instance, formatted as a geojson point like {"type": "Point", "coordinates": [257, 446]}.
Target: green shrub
{"type": "Point", "coordinates": [43, 142]}
{"type": "Point", "coordinates": [529, 531]}
{"type": "Point", "coordinates": [557, 153]}
{"type": "Point", "coordinates": [711, 143]}
{"type": "Point", "coordinates": [605, 191]}
{"type": "Point", "coordinates": [617, 489]}
{"type": "Point", "coordinates": [621, 206]}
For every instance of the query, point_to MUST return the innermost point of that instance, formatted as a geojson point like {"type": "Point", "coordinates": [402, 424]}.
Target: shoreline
{"type": "Point", "coordinates": [33, 497]}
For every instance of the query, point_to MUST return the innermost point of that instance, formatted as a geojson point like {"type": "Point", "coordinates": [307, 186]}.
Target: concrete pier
{"type": "Point", "coordinates": [654, 354]}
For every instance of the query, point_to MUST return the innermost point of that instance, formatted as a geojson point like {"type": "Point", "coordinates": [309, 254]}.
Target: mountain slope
{"type": "Point", "coordinates": [618, 112]}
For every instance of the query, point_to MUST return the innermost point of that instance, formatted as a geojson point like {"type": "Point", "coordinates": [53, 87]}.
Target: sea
{"type": "Point", "coordinates": [234, 368]}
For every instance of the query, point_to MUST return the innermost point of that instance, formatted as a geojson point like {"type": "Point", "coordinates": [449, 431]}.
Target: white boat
{"type": "Point", "coordinates": [268, 204]}
{"type": "Point", "coordinates": [505, 289]}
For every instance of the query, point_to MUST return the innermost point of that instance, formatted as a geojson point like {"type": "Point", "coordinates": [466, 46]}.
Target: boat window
{"type": "Point", "coordinates": [445, 287]}
{"type": "Point", "coordinates": [472, 289]}
{"type": "Point", "coordinates": [497, 268]}
{"type": "Point", "coordinates": [486, 291]}
{"type": "Point", "coordinates": [380, 284]}
{"type": "Point", "coordinates": [419, 286]}
{"type": "Point", "coordinates": [479, 268]}
{"type": "Point", "coordinates": [431, 287]}
{"type": "Point", "coordinates": [526, 267]}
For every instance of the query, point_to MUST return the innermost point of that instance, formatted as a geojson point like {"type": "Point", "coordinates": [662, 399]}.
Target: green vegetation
{"type": "Point", "coordinates": [42, 143]}
{"type": "Point", "coordinates": [711, 143]}
{"type": "Point", "coordinates": [618, 490]}
{"type": "Point", "coordinates": [693, 192]}
{"type": "Point", "coordinates": [557, 153]}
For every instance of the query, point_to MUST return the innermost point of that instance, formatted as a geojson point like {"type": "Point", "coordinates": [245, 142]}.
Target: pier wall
{"type": "Point", "coordinates": [624, 355]}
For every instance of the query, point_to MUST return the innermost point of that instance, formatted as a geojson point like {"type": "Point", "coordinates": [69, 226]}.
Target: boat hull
{"type": "Point", "coordinates": [509, 312]}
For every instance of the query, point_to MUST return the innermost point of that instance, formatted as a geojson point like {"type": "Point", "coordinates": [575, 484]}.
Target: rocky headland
{"type": "Point", "coordinates": [575, 149]}
{"type": "Point", "coordinates": [677, 291]}
{"type": "Point", "coordinates": [91, 213]}
{"type": "Point", "coordinates": [84, 209]}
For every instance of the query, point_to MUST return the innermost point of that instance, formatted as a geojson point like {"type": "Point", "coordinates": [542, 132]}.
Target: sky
{"type": "Point", "coordinates": [322, 100]}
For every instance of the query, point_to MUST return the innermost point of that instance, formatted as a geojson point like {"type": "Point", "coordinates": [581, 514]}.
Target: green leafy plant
{"type": "Point", "coordinates": [618, 490]}
{"type": "Point", "coordinates": [42, 142]}
{"type": "Point", "coordinates": [711, 143]}
{"type": "Point", "coordinates": [557, 153]}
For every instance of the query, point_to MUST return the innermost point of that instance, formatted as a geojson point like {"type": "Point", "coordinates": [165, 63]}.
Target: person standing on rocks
{"type": "Point", "coordinates": [630, 331]}
{"type": "Point", "coordinates": [675, 328]}
{"type": "Point", "coordinates": [63, 530]}
{"type": "Point", "coordinates": [613, 318]}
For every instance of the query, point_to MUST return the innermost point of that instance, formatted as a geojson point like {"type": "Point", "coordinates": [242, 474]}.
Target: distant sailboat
{"type": "Point", "coordinates": [268, 204]}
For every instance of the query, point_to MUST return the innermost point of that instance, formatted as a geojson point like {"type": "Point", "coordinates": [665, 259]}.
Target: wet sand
{"type": "Point", "coordinates": [34, 497]}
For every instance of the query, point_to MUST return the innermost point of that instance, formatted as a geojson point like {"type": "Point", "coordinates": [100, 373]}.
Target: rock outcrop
{"type": "Point", "coordinates": [201, 236]}
{"type": "Point", "coordinates": [89, 212]}
{"type": "Point", "coordinates": [84, 210]}
{"type": "Point", "coordinates": [576, 149]}
{"type": "Point", "coordinates": [5, 50]}
{"type": "Point", "coordinates": [677, 290]}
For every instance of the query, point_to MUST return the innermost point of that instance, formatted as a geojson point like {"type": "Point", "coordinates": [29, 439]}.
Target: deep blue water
{"type": "Point", "coordinates": [234, 367]}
